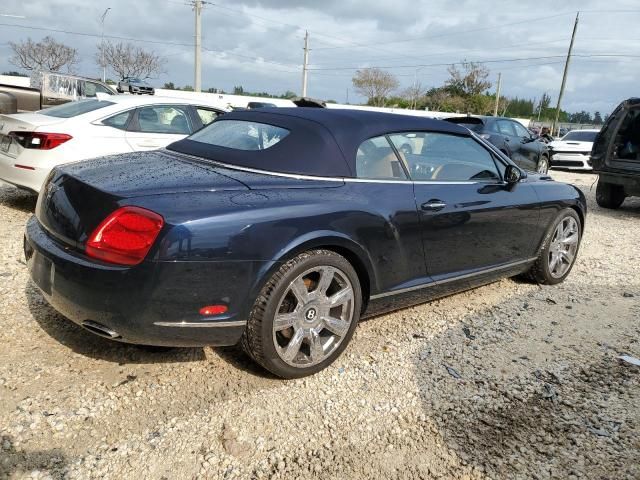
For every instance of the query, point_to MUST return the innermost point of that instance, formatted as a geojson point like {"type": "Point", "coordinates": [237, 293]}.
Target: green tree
{"type": "Point", "coordinates": [470, 79]}
{"type": "Point", "coordinates": [374, 84]}
{"type": "Point", "coordinates": [597, 118]}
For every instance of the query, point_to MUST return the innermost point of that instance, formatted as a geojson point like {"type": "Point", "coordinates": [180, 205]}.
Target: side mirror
{"type": "Point", "coordinates": [513, 174]}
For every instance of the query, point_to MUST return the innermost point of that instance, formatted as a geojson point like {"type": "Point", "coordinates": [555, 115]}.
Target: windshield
{"type": "Point", "coordinates": [73, 109]}
{"type": "Point", "coordinates": [580, 136]}
{"type": "Point", "coordinates": [240, 134]}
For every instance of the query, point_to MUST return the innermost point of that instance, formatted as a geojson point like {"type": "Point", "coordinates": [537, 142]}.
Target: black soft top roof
{"type": "Point", "coordinates": [321, 142]}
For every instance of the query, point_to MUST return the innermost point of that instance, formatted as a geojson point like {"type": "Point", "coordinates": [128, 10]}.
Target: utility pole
{"type": "Point", "coordinates": [104, 66]}
{"type": "Point", "coordinates": [564, 74]}
{"type": "Point", "coordinates": [495, 109]}
{"type": "Point", "coordinates": [304, 65]}
{"type": "Point", "coordinates": [197, 83]}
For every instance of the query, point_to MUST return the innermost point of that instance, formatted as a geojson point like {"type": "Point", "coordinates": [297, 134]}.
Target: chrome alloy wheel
{"type": "Point", "coordinates": [564, 246]}
{"type": "Point", "coordinates": [313, 316]}
{"type": "Point", "coordinates": [543, 165]}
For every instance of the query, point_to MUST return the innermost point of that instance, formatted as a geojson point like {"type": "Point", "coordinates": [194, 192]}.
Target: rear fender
{"type": "Point", "coordinates": [330, 240]}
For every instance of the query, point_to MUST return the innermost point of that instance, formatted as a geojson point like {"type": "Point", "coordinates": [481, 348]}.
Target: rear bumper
{"type": "Point", "coordinates": [630, 181]}
{"type": "Point", "coordinates": [28, 178]}
{"type": "Point", "coordinates": [572, 161]}
{"type": "Point", "coordinates": [154, 303]}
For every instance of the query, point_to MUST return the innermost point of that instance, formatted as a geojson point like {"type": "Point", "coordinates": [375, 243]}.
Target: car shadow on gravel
{"type": "Point", "coordinates": [17, 464]}
{"type": "Point", "coordinates": [17, 199]}
{"type": "Point", "coordinates": [563, 419]}
{"type": "Point", "coordinates": [85, 343]}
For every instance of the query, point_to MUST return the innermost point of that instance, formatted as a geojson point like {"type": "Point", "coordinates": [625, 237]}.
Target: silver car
{"type": "Point", "coordinates": [135, 85]}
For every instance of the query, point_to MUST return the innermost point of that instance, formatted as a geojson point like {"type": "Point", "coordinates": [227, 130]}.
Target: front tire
{"type": "Point", "coordinates": [559, 249]}
{"type": "Point", "coordinates": [609, 195]}
{"type": "Point", "coordinates": [305, 315]}
{"type": "Point", "coordinates": [543, 165]}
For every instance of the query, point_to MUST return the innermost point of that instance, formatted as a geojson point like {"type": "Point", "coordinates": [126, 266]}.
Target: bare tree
{"type": "Point", "coordinates": [375, 84]}
{"type": "Point", "coordinates": [46, 54]}
{"type": "Point", "coordinates": [470, 80]}
{"type": "Point", "coordinates": [413, 93]}
{"type": "Point", "coordinates": [127, 60]}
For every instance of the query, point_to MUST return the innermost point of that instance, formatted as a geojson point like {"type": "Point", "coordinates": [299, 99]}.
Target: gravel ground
{"type": "Point", "coordinates": [511, 380]}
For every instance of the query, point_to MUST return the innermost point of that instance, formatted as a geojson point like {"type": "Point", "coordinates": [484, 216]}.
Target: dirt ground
{"type": "Point", "coordinates": [511, 380]}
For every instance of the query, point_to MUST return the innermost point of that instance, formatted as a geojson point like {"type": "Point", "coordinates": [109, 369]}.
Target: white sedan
{"type": "Point", "coordinates": [31, 144]}
{"type": "Point", "coordinates": [573, 151]}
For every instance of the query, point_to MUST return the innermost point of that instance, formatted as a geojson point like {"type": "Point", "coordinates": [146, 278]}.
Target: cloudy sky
{"type": "Point", "coordinates": [258, 43]}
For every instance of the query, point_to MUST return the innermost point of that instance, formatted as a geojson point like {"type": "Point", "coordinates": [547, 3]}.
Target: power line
{"type": "Point", "coordinates": [141, 40]}
{"type": "Point", "coordinates": [500, 60]}
{"type": "Point", "coordinates": [506, 47]}
{"type": "Point", "coordinates": [461, 32]}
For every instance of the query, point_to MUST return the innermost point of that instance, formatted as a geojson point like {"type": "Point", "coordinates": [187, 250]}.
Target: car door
{"type": "Point", "coordinates": [391, 233]}
{"type": "Point", "coordinates": [529, 149]}
{"type": "Point", "coordinates": [156, 126]}
{"type": "Point", "coordinates": [471, 220]}
{"type": "Point", "coordinates": [107, 136]}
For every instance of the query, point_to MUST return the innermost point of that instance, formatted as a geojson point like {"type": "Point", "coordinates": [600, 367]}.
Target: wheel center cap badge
{"type": "Point", "coordinates": [311, 314]}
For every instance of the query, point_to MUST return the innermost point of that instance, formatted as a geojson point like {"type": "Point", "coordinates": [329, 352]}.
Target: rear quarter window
{"type": "Point", "coordinates": [240, 135]}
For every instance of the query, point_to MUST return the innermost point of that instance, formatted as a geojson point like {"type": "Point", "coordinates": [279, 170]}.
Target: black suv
{"type": "Point", "coordinates": [616, 155]}
{"type": "Point", "coordinates": [512, 138]}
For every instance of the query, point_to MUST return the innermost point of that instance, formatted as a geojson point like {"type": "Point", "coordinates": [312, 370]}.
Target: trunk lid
{"type": "Point", "coordinates": [78, 196]}
{"type": "Point", "coordinates": [26, 122]}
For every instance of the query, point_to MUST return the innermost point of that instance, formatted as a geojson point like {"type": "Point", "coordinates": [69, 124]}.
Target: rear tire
{"type": "Point", "coordinates": [609, 195]}
{"type": "Point", "coordinates": [559, 249]}
{"type": "Point", "coordinates": [305, 315]}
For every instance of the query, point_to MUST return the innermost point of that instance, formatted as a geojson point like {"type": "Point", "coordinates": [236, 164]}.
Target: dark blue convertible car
{"type": "Point", "coordinates": [281, 228]}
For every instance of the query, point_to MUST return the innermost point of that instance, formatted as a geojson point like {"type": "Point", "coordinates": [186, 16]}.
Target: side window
{"type": "Point", "coordinates": [441, 157]}
{"type": "Point", "coordinates": [505, 128]}
{"type": "Point", "coordinates": [376, 159]}
{"type": "Point", "coordinates": [119, 120]}
{"type": "Point", "coordinates": [91, 88]}
{"type": "Point", "coordinates": [520, 130]}
{"type": "Point", "coordinates": [206, 115]}
{"type": "Point", "coordinates": [163, 119]}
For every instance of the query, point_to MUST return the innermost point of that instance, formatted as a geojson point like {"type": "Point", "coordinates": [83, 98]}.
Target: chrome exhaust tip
{"type": "Point", "coordinates": [99, 329]}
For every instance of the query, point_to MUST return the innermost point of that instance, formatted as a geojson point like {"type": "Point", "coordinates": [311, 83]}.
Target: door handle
{"type": "Point", "coordinates": [507, 139]}
{"type": "Point", "coordinates": [433, 205]}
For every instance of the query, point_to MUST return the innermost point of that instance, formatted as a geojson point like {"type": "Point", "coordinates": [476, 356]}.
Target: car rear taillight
{"type": "Point", "coordinates": [40, 140]}
{"type": "Point", "coordinates": [125, 236]}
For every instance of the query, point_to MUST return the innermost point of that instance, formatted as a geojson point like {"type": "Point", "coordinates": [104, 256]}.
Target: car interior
{"type": "Point", "coordinates": [163, 120]}
{"type": "Point", "coordinates": [628, 138]}
{"type": "Point", "coordinates": [429, 156]}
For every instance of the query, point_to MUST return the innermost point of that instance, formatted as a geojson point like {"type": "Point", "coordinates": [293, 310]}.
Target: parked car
{"type": "Point", "coordinates": [281, 228]}
{"type": "Point", "coordinates": [135, 86]}
{"type": "Point", "coordinates": [573, 151]}
{"type": "Point", "coordinates": [49, 89]}
{"type": "Point", "coordinates": [260, 105]}
{"type": "Point", "coordinates": [31, 144]}
{"type": "Point", "coordinates": [511, 138]}
{"type": "Point", "coordinates": [616, 155]}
